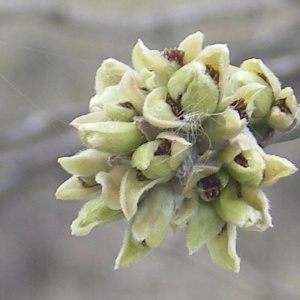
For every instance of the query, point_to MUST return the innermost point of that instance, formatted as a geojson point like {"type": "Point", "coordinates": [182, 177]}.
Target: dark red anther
{"type": "Point", "coordinates": [175, 106]}
{"type": "Point", "coordinates": [263, 77]}
{"type": "Point", "coordinates": [213, 73]}
{"type": "Point", "coordinates": [241, 160]}
{"type": "Point", "coordinates": [212, 186]}
{"type": "Point", "coordinates": [240, 106]}
{"type": "Point", "coordinates": [164, 148]}
{"type": "Point", "coordinates": [174, 55]}
{"type": "Point", "coordinates": [127, 105]}
{"type": "Point", "coordinates": [140, 176]}
{"type": "Point", "coordinates": [282, 106]}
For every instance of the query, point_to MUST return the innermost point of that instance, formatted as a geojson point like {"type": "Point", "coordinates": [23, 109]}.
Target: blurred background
{"type": "Point", "coordinates": [49, 53]}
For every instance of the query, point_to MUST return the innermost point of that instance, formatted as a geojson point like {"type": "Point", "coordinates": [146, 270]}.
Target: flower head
{"type": "Point", "coordinates": [173, 142]}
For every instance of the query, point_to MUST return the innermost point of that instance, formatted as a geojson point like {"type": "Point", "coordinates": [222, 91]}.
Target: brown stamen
{"type": "Point", "coordinates": [213, 73]}
{"type": "Point", "coordinates": [264, 77]}
{"type": "Point", "coordinates": [282, 106]}
{"type": "Point", "coordinates": [140, 176]}
{"type": "Point", "coordinates": [238, 190]}
{"type": "Point", "coordinates": [175, 106]}
{"type": "Point", "coordinates": [174, 55]}
{"type": "Point", "coordinates": [240, 106]}
{"type": "Point", "coordinates": [241, 160]}
{"type": "Point", "coordinates": [164, 148]}
{"type": "Point", "coordinates": [127, 105]}
{"type": "Point", "coordinates": [212, 186]}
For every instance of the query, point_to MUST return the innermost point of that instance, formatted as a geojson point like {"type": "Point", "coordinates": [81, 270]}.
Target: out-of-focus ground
{"type": "Point", "coordinates": [49, 52]}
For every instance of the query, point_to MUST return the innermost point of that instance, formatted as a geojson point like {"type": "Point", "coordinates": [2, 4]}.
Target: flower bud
{"type": "Point", "coordinates": [77, 188]}
{"type": "Point", "coordinates": [132, 251]}
{"type": "Point", "coordinates": [221, 127]}
{"type": "Point", "coordinates": [152, 62]}
{"type": "Point", "coordinates": [191, 46]}
{"type": "Point", "coordinates": [161, 157]}
{"type": "Point", "coordinates": [109, 95]}
{"type": "Point", "coordinates": [112, 136]}
{"type": "Point", "coordinates": [120, 111]}
{"type": "Point", "coordinates": [110, 103]}
{"type": "Point", "coordinates": [283, 111]}
{"type": "Point", "coordinates": [204, 225]}
{"type": "Point", "coordinates": [243, 161]}
{"type": "Point", "coordinates": [216, 59]}
{"type": "Point", "coordinates": [262, 103]}
{"type": "Point", "coordinates": [152, 220]}
{"type": "Point", "coordinates": [151, 164]}
{"type": "Point", "coordinates": [232, 208]}
{"type": "Point", "coordinates": [134, 184]}
{"type": "Point", "coordinates": [94, 213]}
{"type": "Point", "coordinates": [85, 163]}
{"type": "Point", "coordinates": [159, 113]}
{"type": "Point", "coordinates": [222, 249]}
{"type": "Point", "coordinates": [178, 147]}
{"type": "Point", "coordinates": [110, 182]}
{"type": "Point", "coordinates": [242, 99]}
{"type": "Point", "coordinates": [194, 89]}
{"type": "Point", "coordinates": [110, 73]}
{"type": "Point", "coordinates": [256, 66]}
{"type": "Point", "coordinates": [132, 90]}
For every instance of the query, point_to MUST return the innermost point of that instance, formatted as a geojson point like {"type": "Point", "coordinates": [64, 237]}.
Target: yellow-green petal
{"type": "Point", "coordinates": [86, 163]}
{"type": "Point", "coordinates": [222, 249]}
{"type": "Point", "coordinates": [152, 220]}
{"type": "Point", "coordinates": [132, 251]}
{"type": "Point", "coordinates": [94, 213]}
{"type": "Point", "coordinates": [115, 137]}
{"type": "Point", "coordinates": [132, 189]}
{"type": "Point", "coordinates": [204, 225]}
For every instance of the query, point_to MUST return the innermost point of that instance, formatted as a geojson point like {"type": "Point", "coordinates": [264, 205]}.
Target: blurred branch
{"type": "Point", "coordinates": [146, 21]}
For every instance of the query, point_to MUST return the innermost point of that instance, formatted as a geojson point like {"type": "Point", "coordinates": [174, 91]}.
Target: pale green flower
{"type": "Point", "coordinates": [175, 141]}
{"type": "Point", "coordinates": [195, 91]}
{"type": "Point", "coordinates": [263, 103]}
{"type": "Point", "coordinates": [115, 137]}
{"type": "Point", "coordinates": [283, 112]}
{"type": "Point", "coordinates": [110, 73]}
{"type": "Point", "coordinates": [77, 188]}
{"type": "Point", "coordinates": [243, 160]}
{"type": "Point", "coordinates": [161, 157]}
{"type": "Point", "coordinates": [231, 207]}
{"type": "Point", "coordinates": [216, 59]}
{"type": "Point", "coordinates": [153, 65]}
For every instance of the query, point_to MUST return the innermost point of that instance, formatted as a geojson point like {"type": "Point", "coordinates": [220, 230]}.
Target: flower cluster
{"type": "Point", "coordinates": [176, 141]}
